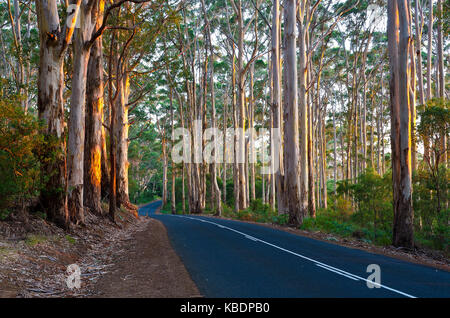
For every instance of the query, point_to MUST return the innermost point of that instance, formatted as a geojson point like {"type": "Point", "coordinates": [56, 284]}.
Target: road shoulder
{"type": "Point", "coordinates": [149, 269]}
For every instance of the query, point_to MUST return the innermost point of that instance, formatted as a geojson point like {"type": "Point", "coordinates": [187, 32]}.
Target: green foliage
{"type": "Point", "coordinates": [430, 181]}
{"type": "Point", "coordinates": [34, 239]}
{"type": "Point", "coordinates": [429, 200]}
{"type": "Point", "coordinates": [20, 157]}
{"type": "Point", "coordinates": [327, 221]}
{"type": "Point", "coordinates": [434, 119]}
{"type": "Point", "coordinates": [258, 212]}
{"type": "Point", "coordinates": [281, 219]}
{"type": "Point", "coordinates": [227, 211]}
{"type": "Point", "coordinates": [362, 210]}
{"type": "Point", "coordinates": [373, 195]}
{"type": "Point", "coordinates": [4, 214]}
{"type": "Point", "coordinates": [70, 239]}
{"type": "Point", "coordinates": [145, 172]}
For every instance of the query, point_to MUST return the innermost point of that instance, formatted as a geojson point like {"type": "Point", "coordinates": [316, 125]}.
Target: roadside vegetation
{"type": "Point", "coordinates": [363, 210]}
{"type": "Point", "coordinates": [89, 129]}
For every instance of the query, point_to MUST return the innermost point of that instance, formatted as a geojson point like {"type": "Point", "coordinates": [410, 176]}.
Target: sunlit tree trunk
{"type": "Point", "coordinates": [430, 49]}
{"type": "Point", "coordinates": [241, 110]}
{"type": "Point", "coordinates": [418, 14]}
{"type": "Point", "coordinates": [216, 195]}
{"type": "Point", "coordinates": [412, 98]}
{"type": "Point", "coordinates": [183, 166]}
{"type": "Point", "coordinates": [197, 137]}
{"type": "Point", "coordinates": [379, 126]}
{"type": "Point", "coordinates": [235, 138]}
{"type": "Point", "coordinates": [252, 137]}
{"type": "Point", "coordinates": [440, 50]}
{"type": "Point", "coordinates": [302, 109]}
{"type": "Point", "coordinates": [323, 157]}
{"type": "Point", "coordinates": [76, 143]}
{"type": "Point", "coordinates": [93, 172]}
{"type": "Point", "coordinates": [225, 149]}
{"type": "Point", "coordinates": [291, 115]}
{"type": "Point", "coordinates": [53, 45]}
{"type": "Point", "coordinates": [398, 46]}
{"type": "Point", "coordinates": [311, 182]}
{"type": "Point", "coordinates": [278, 178]}
{"type": "Point", "coordinates": [441, 78]}
{"type": "Point", "coordinates": [122, 141]}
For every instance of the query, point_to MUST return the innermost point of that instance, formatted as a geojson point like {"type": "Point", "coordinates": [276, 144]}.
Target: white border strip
{"type": "Point", "coordinates": [320, 264]}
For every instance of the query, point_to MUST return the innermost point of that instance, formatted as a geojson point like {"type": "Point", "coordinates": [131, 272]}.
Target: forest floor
{"type": "Point", "coordinates": [132, 258]}
{"type": "Point", "coordinates": [422, 256]}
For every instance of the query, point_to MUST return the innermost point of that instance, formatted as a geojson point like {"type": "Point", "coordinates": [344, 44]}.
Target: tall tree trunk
{"type": "Point", "coordinates": [291, 115]}
{"type": "Point", "coordinates": [441, 79]}
{"type": "Point", "coordinates": [398, 46]}
{"type": "Point", "coordinates": [184, 164]}
{"type": "Point", "coordinates": [278, 178]}
{"type": "Point", "coordinates": [242, 119]}
{"type": "Point", "coordinates": [172, 197]}
{"type": "Point", "coordinates": [93, 172]}
{"type": "Point", "coordinates": [112, 127]}
{"type": "Point", "coordinates": [323, 144]}
{"type": "Point", "coordinates": [440, 51]}
{"type": "Point", "coordinates": [252, 136]}
{"type": "Point", "coordinates": [76, 141]}
{"type": "Point", "coordinates": [216, 195]}
{"type": "Point", "coordinates": [196, 128]}
{"type": "Point", "coordinates": [17, 35]}
{"type": "Point", "coordinates": [235, 138]}
{"type": "Point", "coordinates": [311, 183]}
{"type": "Point", "coordinates": [105, 167]}
{"type": "Point", "coordinates": [121, 132]}
{"type": "Point", "coordinates": [335, 154]}
{"type": "Point", "coordinates": [225, 149]}
{"type": "Point", "coordinates": [302, 107]}
{"type": "Point", "coordinates": [430, 49]}
{"type": "Point", "coordinates": [412, 98]}
{"type": "Point", "coordinates": [165, 164]}
{"type": "Point", "coordinates": [53, 46]}
{"type": "Point", "coordinates": [419, 26]}
{"type": "Point", "coordinates": [183, 190]}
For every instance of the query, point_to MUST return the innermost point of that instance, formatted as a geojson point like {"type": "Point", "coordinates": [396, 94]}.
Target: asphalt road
{"type": "Point", "coordinates": [237, 259]}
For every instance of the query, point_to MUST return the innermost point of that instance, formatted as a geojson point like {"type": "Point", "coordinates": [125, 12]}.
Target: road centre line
{"type": "Point", "coordinates": [332, 270]}
{"type": "Point", "coordinates": [320, 264]}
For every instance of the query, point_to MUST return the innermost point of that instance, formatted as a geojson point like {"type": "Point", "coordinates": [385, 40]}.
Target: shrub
{"type": "Point", "coordinates": [227, 211]}
{"type": "Point", "coordinates": [21, 147]}
{"type": "Point", "coordinates": [281, 219]}
{"type": "Point", "coordinates": [373, 196]}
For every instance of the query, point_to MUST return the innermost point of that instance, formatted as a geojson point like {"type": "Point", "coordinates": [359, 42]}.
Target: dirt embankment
{"type": "Point", "coordinates": [150, 268]}
{"type": "Point", "coordinates": [132, 258]}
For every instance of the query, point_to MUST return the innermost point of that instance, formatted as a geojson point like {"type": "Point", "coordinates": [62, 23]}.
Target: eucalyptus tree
{"type": "Point", "coordinates": [399, 34]}
{"type": "Point", "coordinates": [83, 42]}
{"type": "Point", "coordinates": [215, 191]}
{"type": "Point", "coordinates": [95, 153]}
{"type": "Point", "coordinates": [55, 36]}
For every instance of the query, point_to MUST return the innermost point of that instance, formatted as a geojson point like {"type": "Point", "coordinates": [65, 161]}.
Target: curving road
{"type": "Point", "coordinates": [236, 259]}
